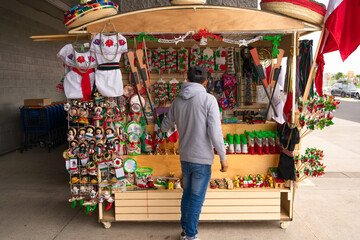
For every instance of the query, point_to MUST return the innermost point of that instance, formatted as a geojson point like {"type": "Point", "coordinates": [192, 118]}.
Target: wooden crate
{"type": "Point", "coordinates": [164, 205]}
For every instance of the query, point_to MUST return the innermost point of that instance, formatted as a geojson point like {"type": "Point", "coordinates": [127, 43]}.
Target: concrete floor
{"type": "Point", "coordinates": [35, 192]}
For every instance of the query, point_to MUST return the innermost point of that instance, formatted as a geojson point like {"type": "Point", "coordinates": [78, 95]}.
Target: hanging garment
{"type": "Point", "coordinates": [79, 78]}
{"type": "Point", "coordinates": [288, 139]}
{"type": "Point", "coordinates": [108, 50]}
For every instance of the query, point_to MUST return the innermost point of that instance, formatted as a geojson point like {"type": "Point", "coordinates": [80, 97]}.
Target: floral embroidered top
{"type": "Point", "coordinates": [108, 48]}
{"type": "Point", "coordinates": [72, 58]}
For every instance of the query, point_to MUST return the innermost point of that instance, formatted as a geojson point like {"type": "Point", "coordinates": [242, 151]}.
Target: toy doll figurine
{"type": "Point", "coordinates": [271, 182]}
{"type": "Point", "coordinates": [74, 146]}
{"type": "Point", "coordinates": [82, 134]}
{"type": "Point", "coordinates": [246, 183]}
{"type": "Point", "coordinates": [90, 205]}
{"type": "Point", "coordinates": [73, 114]}
{"type": "Point", "coordinates": [267, 183]}
{"type": "Point", "coordinates": [83, 153]}
{"type": "Point", "coordinates": [71, 134]}
{"type": "Point", "coordinates": [83, 114]}
{"type": "Point", "coordinates": [106, 196]}
{"type": "Point", "coordinates": [237, 182]}
{"type": "Point", "coordinates": [98, 116]}
{"type": "Point", "coordinates": [110, 134]}
{"type": "Point", "coordinates": [241, 182]}
{"type": "Point", "coordinates": [99, 133]}
{"type": "Point", "coordinates": [90, 130]}
{"type": "Point", "coordinates": [92, 146]}
{"type": "Point", "coordinates": [99, 150]}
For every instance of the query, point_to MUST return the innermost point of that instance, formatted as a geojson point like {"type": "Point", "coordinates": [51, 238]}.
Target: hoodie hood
{"type": "Point", "coordinates": [190, 89]}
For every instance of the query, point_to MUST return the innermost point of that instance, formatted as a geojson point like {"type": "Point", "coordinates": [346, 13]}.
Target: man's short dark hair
{"type": "Point", "coordinates": [197, 74]}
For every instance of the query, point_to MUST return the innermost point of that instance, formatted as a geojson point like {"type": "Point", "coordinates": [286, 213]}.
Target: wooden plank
{"type": "Point", "coordinates": [203, 217]}
{"type": "Point", "coordinates": [167, 194]}
{"type": "Point", "coordinates": [208, 202]}
{"type": "Point", "coordinates": [240, 216]}
{"type": "Point", "coordinates": [206, 209]}
{"type": "Point", "coordinates": [190, 18]}
{"type": "Point", "coordinates": [150, 202]}
{"type": "Point", "coordinates": [242, 202]}
{"type": "Point", "coordinates": [148, 217]}
{"type": "Point", "coordinates": [211, 194]}
{"type": "Point", "coordinates": [237, 195]}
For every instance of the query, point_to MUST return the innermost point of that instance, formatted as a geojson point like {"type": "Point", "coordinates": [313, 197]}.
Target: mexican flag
{"type": "Point", "coordinates": [341, 32]}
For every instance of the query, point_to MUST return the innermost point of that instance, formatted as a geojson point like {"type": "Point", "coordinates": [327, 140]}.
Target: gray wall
{"type": "Point", "coordinates": [27, 69]}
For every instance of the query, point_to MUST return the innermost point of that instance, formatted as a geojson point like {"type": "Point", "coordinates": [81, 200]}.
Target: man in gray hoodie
{"type": "Point", "coordinates": [197, 117]}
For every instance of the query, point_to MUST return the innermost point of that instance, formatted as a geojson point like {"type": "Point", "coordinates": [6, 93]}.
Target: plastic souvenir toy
{"type": "Point", "coordinates": [220, 183]}
{"type": "Point", "coordinates": [178, 184]}
{"type": "Point", "coordinates": [242, 182]}
{"type": "Point", "coordinates": [237, 182]}
{"type": "Point", "coordinates": [246, 183]}
{"type": "Point", "coordinates": [271, 182]}
{"type": "Point", "coordinates": [213, 184]}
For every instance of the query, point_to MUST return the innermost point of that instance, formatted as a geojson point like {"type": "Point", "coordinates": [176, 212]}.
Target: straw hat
{"type": "Point", "coordinates": [88, 12]}
{"type": "Point", "coordinates": [306, 10]}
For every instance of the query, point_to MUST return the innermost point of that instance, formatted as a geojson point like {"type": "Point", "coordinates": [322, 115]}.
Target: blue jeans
{"type": "Point", "coordinates": [196, 181]}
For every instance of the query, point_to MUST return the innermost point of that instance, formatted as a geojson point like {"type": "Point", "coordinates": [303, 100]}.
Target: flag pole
{"type": "Point", "coordinates": [312, 71]}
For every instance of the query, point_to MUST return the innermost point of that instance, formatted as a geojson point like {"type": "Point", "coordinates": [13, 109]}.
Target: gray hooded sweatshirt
{"type": "Point", "coordinates": [197, 117]}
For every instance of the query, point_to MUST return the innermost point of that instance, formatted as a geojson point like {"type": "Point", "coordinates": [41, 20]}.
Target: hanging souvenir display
{"type": "Point", "coordinates": [79, 81]}
{"type": "Point", "coordinates": [220, 59]}
{"type": "Point", "coordinates": [183, 60]}
{"type": "Point", "coordinates": [161, 92]}
{"type": "Point", "coordinates": [230, 60]}
{"type": "Point", "coordinates": [170, 60]}
{"type": "Point", "coordinates": [195, 56]}
{"type": "Point", "coordinates": [208, 60]}
{"type": "Point", "coordinates": [108, 50]}
{"type": "Point", "coordinates": [158, 60]}
{"type": "Point", "coordinates": [174, 89]}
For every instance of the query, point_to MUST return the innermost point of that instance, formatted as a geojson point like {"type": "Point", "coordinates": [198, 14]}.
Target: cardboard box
{"type": "Point", "coordinates": [37, 102]}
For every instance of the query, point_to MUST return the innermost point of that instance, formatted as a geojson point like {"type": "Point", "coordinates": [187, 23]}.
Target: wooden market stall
{"type": "Point", "coordinates": [220, 205]}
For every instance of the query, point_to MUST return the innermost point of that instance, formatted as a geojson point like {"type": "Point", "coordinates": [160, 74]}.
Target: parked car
{"type": "Point", "coordinates": [343, 90]}
{"type": "Point", "coordinates": [357, 94]}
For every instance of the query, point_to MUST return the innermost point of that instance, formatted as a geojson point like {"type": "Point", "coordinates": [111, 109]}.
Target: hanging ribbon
{"type": "Point", "coordinates": [275, 42]}
{"type": "Point", "coordinates": [85, 82]}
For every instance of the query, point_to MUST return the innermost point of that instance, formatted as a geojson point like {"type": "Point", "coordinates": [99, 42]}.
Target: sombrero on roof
{"type": "Point", "coordinates": [307, 10]}
{"type": "Point", "coordinates": [88, 12]}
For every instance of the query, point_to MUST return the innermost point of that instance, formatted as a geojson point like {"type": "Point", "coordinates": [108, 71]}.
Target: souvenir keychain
{"type": "Point", "coordinates": [174, 89]}
{"type": "Point", "coordinates": [195, 56]}
{"type": "Point", "coordinates": [170, 60]}
{"type": "Point", "coordinates": [208, 60]}
{"type": "Point", "coordinates": [90, 130]}
{"type": "Point", "coordinates": [230, 60]}
{"type": "Point", "coordinates": [99, 133]}
{"type": "Point", "coordinates": [161, 92]}
{"type": "Point", "coordinates": [183, 62]}
{"type": "Point", "coordinates": [159, 60]}
{"type": "Point", "coordinates": [220, 59]}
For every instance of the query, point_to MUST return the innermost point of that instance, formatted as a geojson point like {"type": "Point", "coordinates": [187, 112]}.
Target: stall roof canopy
{"type": "Point", "coordinates": [181, 19]}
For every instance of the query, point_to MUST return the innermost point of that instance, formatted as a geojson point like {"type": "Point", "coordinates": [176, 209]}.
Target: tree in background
{"type": "Point", "coordinates": [339, 75]}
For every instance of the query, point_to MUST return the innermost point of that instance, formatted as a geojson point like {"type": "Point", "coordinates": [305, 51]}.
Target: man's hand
{"type": "Point", "coordinates": [224, 166]}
